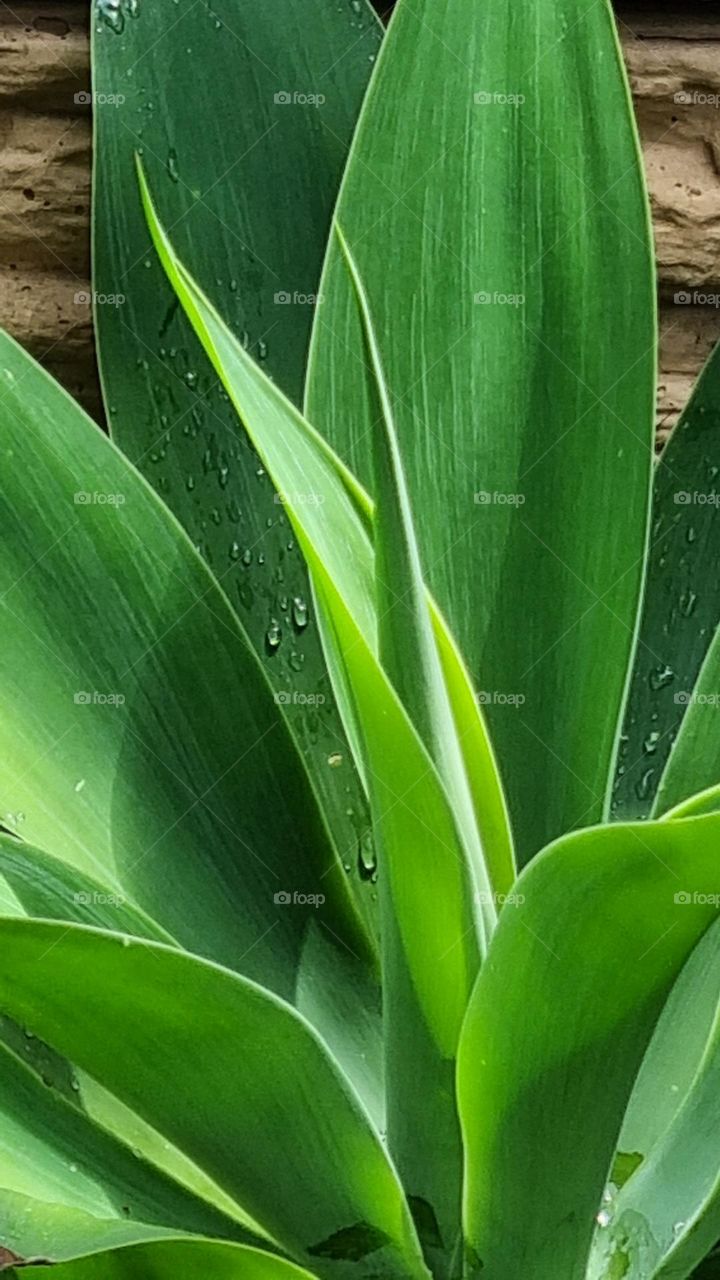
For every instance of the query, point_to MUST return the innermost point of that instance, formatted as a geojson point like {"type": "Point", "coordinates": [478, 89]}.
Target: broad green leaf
{"type": "Point", "coordinates": [707, 801]}
{"type": "Point", "coordinates": [693, 765]}
{"type": "Point", "coordinates": [53, 1152]}
{"type": "Point", "coordinates": [244, 115]}
{"type": "Point", "coordinates": [56, 890]}
{"type": "Point", "coordinates": [518, 348]}
{"type": "Point", "coordinates": [169, 1259]}
{"type": "Point", "coordinates": [668, 1214]}
{"type": "Point", "coordinates": [140, 738]}
{"type": "Point", "coordinates": [429, 873]}
{"type": "Point", "coordinates": [407, 646]}
{"type": "Point", "coordinates": [318, 489]}
{"type": "Point", "coordinates": [32, 1228]}
{"type": "Point", "coordinates": [602, 929]}
{"type": "Point", "coordinates": [256, 1100]}
{"type": "Point", "coordinates": [681, 609]}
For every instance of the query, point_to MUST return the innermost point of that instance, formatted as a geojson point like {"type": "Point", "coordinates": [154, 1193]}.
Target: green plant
{"type": "Point", "coordinates": [224, 1051]}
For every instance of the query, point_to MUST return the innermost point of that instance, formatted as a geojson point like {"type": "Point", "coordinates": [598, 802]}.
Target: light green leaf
{"type": "Point", "coordinates": [256, 1100]}
{"type": "Point", "coordinates": [407, 646]}
{"type": "Point", "coordinates": [145, 754]}
{"type": "Point", "coordinates": [58, 891]}
{"type": "Point", "coordinates": [428, 873]}
{"type": "Point", "coordinates": [32, 1228]}
{"type": "Point", "coordinates": [693, 765]}
{"type": "Point", "coordinates": [672, 1123]}
{"type": "Point", "coordinates": [55, 1153]}
{"type": "Point", "coordinates": [681, 610]}
{"type": "Point", "coordinates": [169, 1259]}
{"type": "Point", "coordinates": [246, 161]}
{"type": "Point", "coordinates": [547, 1064]}
{"type": "Point", "coordinates": [509, 240]}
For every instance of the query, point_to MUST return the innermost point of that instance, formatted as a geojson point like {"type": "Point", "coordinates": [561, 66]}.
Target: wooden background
{"type": "Point", "coordinates": [45, 155]}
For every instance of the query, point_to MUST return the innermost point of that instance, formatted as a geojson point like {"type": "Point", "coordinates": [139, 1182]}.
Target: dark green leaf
{"type": "Point", "coordinates": [246, 172]}
{"type": "Point", "coordinates": [526, 416]}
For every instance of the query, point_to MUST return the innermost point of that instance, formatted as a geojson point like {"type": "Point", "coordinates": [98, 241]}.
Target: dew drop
{"type": "Point", "coordinates": [660, 677]}
{"type": "Point", "coordinates": [299, 613]}
{"type": "Point", "coordinates": [688, 603]}
{"type": "Point", "coordinates": [644, 786]}
{"type": "Point", "coordinates": [273, 636]}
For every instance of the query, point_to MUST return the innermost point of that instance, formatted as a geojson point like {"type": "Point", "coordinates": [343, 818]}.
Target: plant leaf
{"type": "Point", "coordinates": [407, 648]}
{"type": "Point", "coordinates": [546, 1066]}
{"type": "Point", "coordinates": [166, 1260]}
{"type": "Point", "coordinates": [61, 1231]}
{"type": "Point", "coordinates": [146, 753]}
{"type": "Point", "coordinates": [56, 890]}
{"type": "Point", "coordinates": [672, 1121]}
{"type": "Point", "coordinates": [54, 1152]}
{"type": "Point", "coordinates": [505, 400]}
{"type": "Point", "coordinates": [241, 161]}
{"type": "Point", "coordinates": [693, 765]}
{"type": "Point", "coordinates": [256, 1100]}
{"type": "Point", "coordinates": [681, 610]}
{"type": "Point", "coordinates": [427, 872]}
